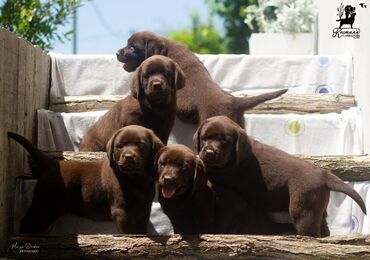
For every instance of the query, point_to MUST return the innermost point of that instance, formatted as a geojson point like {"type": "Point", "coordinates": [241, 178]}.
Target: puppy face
{"type": "Point", "coordinates": [220, 141]}
{"type": "Point", "coordinates": [179, 170]}
{"type": "Point", "coordinates": [140, 46]}
{"type": "Point", "coordinates": [131, 149]}
{"type": "Point", "coordinates": [157, 80]}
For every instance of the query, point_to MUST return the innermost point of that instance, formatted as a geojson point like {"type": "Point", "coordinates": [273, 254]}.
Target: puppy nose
{"type": "Point", "coordinates": [157, 84]}
{"type": "Point", "coordinates": [129, 157]}
{"type": "Point", "coordinates": [117, 54]}
{"type": "Point", "coordinates": [209, 152]}
{"type": "Point", "coordinates": [168, 180]}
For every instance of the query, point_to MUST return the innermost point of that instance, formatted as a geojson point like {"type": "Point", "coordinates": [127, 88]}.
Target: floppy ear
{"type": "Point", "coordinates": [155, 47]}
{"type": "Point", "coordinates": [243, 146]}
{"type": "Point", "coordinates": [200, 177]}
{"type": "Point", "coordinates": [156, 157]}
{"type": "Point", "coordinates": [196, 137]}
{"type": "Point", "coordinates": [110, 149]}
{"type": "Point", "coordinates": [156, 143]}
{"type": "Point", "coordinates": [179, 79]}
{"type": "Point", "coordinates": [136, 85]}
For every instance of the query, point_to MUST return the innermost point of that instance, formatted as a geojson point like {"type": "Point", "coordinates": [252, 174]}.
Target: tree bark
{"type": "Point", "coordinates": [348, 168]}
{"type": "Point", "coordinates": [190, 247]}
{"type": "Point", "coordinates": [289, 103]}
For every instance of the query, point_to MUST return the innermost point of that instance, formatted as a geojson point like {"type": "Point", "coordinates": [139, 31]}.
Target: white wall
{"type": "Point", "coordinates": [359, 48]}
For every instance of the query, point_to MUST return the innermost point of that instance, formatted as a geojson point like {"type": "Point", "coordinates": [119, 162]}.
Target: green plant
{"type": "Point", "coordinates": [281, 16]}
{"type": "Point", "coordinates": [37, 20]}
{"type": "Point", "coordinates": [232, 14]}
{"type": "Point", "coordinates": [200, 38]}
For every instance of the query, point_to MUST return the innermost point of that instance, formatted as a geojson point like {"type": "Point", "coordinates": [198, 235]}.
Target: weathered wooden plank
{"type": "Point", "coordinates": [3, 166]}
{"type": "Point", "coordinates": [189, 247]}
{"type": "Point", "coordinates": [10, 91]}
{"type": "Point", "coordinates": [289, 103]}
{"type": "Point", "coordinates": [348, 168]}
{"type": "Point", "coordinates": [20, 91]}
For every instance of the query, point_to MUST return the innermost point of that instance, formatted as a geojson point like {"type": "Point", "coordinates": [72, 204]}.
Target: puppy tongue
{"type": "Point", "coordinates": [168, 193]}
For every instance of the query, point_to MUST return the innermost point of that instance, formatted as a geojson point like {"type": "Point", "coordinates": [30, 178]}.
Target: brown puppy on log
{"type": "Point", "coordinates": [195, 206]}
{"type": "Point", "coordinates": [152, 104]}
{"type": "Point", "coordinates": [202, 97]}
{"type": "Point", "coordinates": [121, 187]}
{"type": "Point", "coordinates": [267, 177]}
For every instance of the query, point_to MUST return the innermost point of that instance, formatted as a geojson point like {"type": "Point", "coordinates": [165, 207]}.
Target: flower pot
{"type": "Point", "coordinates": [281, 43]}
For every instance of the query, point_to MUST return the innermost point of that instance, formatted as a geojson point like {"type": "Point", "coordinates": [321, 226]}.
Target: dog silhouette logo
{"type": "Point", "coordinates": [347, 16]}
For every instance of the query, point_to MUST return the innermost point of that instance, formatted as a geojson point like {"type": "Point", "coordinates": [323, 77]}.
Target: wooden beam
{"type": "Point", "coordinates": [348, 168]}
{"type": "Point", "coordinates": [305, 103]}
{"type": "Point", "coordinates": [189, 247]}
{"type": "Point", "coordinates": [289, 103]}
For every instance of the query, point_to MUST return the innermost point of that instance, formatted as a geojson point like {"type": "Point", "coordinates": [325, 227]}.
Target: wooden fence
{"type": "Point", "coordinates": [24, 88]}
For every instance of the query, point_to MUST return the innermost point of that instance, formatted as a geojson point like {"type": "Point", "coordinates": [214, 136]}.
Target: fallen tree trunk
{"type": "Point", "coordinates": [189, 247]}
{"type": "Point", "coordinates": [289, 103]}
{"type": "Point", "coordinates": [348, 168]}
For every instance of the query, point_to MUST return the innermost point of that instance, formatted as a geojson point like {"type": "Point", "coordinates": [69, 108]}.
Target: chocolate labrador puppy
{"type": "Point", "coordinates": [152, 104]}
{"type": "Point", "coordinates": [196, 206]}
{"type": "Point", "coordinates": [267, 177]}
{"type": "Point", "coordinates": [202, 97]}
{"type": "Point", "coordinates": [121, 187]}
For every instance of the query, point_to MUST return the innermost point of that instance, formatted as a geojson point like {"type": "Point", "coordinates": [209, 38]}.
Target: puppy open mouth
{"type": "Point", "coordinates": [168, 192]}
{"type": "Point", "coordinates": [130, 67]}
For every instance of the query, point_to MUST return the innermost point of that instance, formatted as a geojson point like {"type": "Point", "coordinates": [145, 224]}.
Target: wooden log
{"type": "Point", "coordinates": [290, 103]}
{"type": "Point", "coordinates": [83, 103]}
{"type": "Point", "coordinates": [305, 103]}
{"type": "Point", "coordinates": [189, 247]}
{"type": "Point", "coordinates": [348, 168]}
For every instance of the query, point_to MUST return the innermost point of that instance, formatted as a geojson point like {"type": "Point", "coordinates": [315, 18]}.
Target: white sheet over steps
{"type": "Point", "coordinates": [75, 75]}
{"type": "Point", "coordinates": [330, 134]}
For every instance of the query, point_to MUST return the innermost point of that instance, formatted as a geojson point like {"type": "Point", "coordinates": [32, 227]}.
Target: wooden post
{"type": "Point", "coordinates": [24, 83]}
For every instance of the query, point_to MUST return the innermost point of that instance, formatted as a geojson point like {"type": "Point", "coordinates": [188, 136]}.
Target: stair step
{"type": "Point", "coordinates": [348, 168]}
{"type": "Point", "coordinates": [184, 247]}
{"type": "Point", "coordinates": [289, 103]}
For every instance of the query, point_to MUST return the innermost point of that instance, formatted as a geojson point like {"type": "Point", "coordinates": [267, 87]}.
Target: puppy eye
{"type": "Point", "coordinates": [184, 167]}
{"type": "Point", "coordinates": [140, 144]}
{"type": "Point", "coordinates": [167, 73]}
{"type": "Point", "coordinates": [161, 165]}
{"type": "Point", "coordinates": [119, 145]}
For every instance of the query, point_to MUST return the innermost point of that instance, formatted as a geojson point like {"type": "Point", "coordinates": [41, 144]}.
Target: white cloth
{"type": "Point", "coordinates": [344, 216]}
{"type": "Point", "coordinates": [311, 134]}
{"type": "Point", "coordinates": [75, 75]}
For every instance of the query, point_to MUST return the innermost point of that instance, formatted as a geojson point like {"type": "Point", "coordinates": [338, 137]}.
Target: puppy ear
{"type": "Point", "coordinates": [200, 177]}
{"type": "Point", "coordinates": [179, 79]}
{"type": "Point", "coordinates": [155, 47]}
{"type": "Point", "coordinates": [243, 146]}
{"type": "Point", "coordinates": [156, 143]}
{"type": "Point", "coordinates": [196, 137]}
{"type": "Point", "coordinates": [136, 85]}
{"type": "Point", "coordinates": [156, 158]}
{"type": "Point", "coordinates": [110, 149]}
